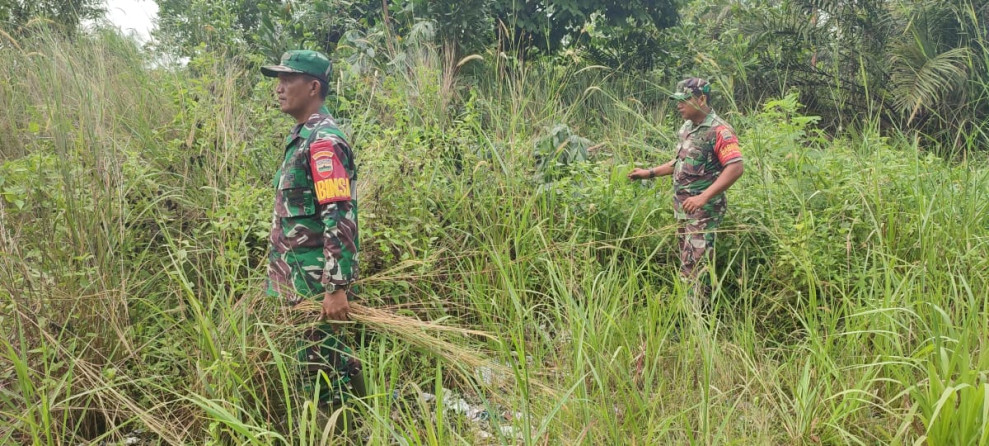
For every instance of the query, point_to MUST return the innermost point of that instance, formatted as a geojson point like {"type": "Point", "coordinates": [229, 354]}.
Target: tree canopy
{"type": "Point", "coordinates": [547, 27]}
{"type": "Point", "coordinates": [66, 14]}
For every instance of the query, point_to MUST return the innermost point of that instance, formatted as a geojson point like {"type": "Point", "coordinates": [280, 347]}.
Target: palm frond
{"type": "Point", "coordinates": [919, 79]}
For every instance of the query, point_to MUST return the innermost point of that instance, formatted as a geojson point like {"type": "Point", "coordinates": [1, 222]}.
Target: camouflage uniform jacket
{"type": "Point", "coordinates": [314, 227]}
{"type": "Point", "coordinates": [702, 154]}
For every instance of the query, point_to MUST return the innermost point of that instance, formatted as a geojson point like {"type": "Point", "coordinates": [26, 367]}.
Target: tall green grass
{"type": "Point", "coordinates": [851, 270]}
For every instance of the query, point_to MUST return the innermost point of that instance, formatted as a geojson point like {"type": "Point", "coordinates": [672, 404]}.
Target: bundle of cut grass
{"type": "Point", "coordinates": [415, 332]}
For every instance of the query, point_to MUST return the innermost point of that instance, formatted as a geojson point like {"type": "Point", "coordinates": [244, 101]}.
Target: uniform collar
{"type": "Point", "coordinates": [302, 130]}
{"type": "Point", "coordinates": [707, 122]}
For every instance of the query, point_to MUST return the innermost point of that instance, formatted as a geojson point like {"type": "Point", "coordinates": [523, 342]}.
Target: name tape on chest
{"type": "Point", "coordinates": [329, 176]}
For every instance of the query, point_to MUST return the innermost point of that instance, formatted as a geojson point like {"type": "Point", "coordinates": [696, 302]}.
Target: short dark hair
{"type": "Point", "coordinates": [324, 89]}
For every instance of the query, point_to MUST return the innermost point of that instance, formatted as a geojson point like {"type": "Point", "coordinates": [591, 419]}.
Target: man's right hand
{"type": "Point", "coordinates": [640, 174]}
{"type": "Point", "coordinates": [335, 305]}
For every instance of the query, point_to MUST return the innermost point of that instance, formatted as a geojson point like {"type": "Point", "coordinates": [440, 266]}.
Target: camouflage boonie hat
{"type": "Point", "coordinates": [690, 87]}
{"type": "Point", "coordinates": [308, 62]}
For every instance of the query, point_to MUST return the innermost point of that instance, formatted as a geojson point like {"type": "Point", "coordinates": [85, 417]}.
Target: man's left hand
{"type": "Point", "coordinates": [694, 203]}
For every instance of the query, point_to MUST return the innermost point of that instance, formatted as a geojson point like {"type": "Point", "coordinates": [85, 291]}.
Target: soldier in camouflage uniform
{"type": "Point", "coordinates": [707, 163]}
{"type": "Point", "coordinates": [314, 227]}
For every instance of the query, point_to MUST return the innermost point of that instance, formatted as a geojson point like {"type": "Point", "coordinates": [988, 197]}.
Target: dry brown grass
{"type": "Point", "coordinates": [413, 331]}
{"type": "Point", "coordinates": [416, 333]}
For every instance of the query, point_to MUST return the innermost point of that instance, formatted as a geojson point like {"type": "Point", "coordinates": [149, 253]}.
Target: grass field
{"type": "Point", "coordinates": [852, 268]}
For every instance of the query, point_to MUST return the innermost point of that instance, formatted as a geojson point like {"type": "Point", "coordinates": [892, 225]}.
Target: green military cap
{"type": "Point", "coordinates": [690, 87]}
{"type": "Point", "coordinates": [308, 62]}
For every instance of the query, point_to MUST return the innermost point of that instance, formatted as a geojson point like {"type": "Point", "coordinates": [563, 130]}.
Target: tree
{"type": "Point", "coordinates": [268, 27]}
{"type": "Point", "coordinates": [627, 31]}
{"type": "Point", "coordinates": [264, 27]}
{"type": "Point", "coordinates": [462, 25]}
{"type": "Point", "coordinates": [917, 65]}
{"type": "Point", "coordinates": [833, 50]}
{"type": "Point", "coordinates": [551, 25]}
{"type": "Point", "coordinates": [66, 14]}
{"type": "Point", "coordinates": [938, 80]}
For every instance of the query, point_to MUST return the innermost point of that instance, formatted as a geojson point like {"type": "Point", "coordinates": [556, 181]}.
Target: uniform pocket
{"type": "Point", "coordinates": [694, 163]}
{"type": "Point", "coordinates": [296, 202]}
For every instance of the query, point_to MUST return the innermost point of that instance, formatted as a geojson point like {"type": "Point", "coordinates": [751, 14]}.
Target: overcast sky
{"type": "Point", "coordinates": [132, 16]}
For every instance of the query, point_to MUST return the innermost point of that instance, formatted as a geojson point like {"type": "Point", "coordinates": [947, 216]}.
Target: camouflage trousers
{"type": "Point", "coordinates": [695, 238]}
{"type": "Point", "coordinates": [328, 366]}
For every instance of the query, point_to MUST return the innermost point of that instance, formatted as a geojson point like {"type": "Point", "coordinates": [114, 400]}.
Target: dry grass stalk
{"type": "Point", "coordinates": [414, 331]}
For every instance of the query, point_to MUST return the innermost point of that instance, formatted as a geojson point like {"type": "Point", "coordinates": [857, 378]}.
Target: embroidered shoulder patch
{"type": "Point", "coordinates": [726, 146]}
{"type": "Point", "coordinates": [727, 135]}
{"type": "Point", "coordinates": [329, 176]}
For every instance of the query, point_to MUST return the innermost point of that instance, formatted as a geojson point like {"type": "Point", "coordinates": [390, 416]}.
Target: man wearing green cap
{"type": "Point", "coordinates": [708, 161]}
{"type": "Point", "coordinates": [314, 240]}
